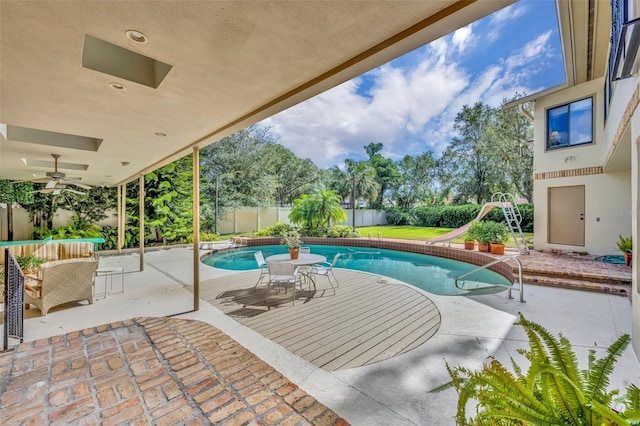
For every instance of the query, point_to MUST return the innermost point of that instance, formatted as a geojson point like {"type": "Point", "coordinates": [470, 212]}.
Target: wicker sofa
{"type": "Point", "coordinates": [52, 250]}
{"type": "Point", "coordinates": [61, 281]}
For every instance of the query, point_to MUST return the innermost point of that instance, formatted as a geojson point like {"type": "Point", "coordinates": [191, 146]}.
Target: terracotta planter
{"type": "Point", "coordinates": [469, 245]}
{"type": "Point", "coordinates": [483, 247]}
{"type": "Point", "coordinates": [628, 257]}
{"type": "Point", "coordinates": [497, 248]}
{"type": "Point", "coordinates": [294, 252]}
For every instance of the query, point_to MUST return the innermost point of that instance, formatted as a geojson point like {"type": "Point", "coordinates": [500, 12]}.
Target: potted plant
{"type": "Point", "coordinates": [292, 240]}
{"type": "Point", "coordinates": [625, 245]}
{"type": "Point", "coordinates": [481, 232]}
{"type": "Point", "coordinates": [469, 243]}
{"type": "Point", "coordinates": [500, 235]}
{"type": "Point", "coordinates": [29, 263]}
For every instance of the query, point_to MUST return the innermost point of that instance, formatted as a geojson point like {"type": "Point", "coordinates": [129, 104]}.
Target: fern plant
{"type": "Point", "coordinates": [554, 391]}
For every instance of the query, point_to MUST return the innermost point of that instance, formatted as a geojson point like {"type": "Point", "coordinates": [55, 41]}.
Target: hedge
{"type": "Point", "coordinates": [454, 216]}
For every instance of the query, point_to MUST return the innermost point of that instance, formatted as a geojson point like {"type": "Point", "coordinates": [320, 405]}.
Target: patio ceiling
{"type": "Point", "coordinates": [227, 65]}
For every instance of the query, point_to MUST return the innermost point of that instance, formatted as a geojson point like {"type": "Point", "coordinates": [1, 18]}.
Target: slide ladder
{"type": "Point", "coordinates": [513, 217]}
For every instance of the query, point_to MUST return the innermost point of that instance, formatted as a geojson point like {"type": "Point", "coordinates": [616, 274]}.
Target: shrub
{"type": "Point", "coordinates": [276, 230]}
{"type": "Point", "coordinates": [429, 216]}
{"type": "Point", "coordinates": [456, 216]}
{"type": "Point", "coordinates": [553, 391]}
{"type": "Point", "coordinates": [482, 231]}
{"type": "Point", "coordinates": [340, 231]}
{"type": "Point", "coordinates": [398, 216]}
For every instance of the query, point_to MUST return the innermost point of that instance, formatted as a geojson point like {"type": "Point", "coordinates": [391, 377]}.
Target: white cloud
{"type": "Point", "coordinates": [340, 122]}
{"type": "Point", "coordinates": [500, 18]}
{"type": "Point", "coordinates": [410, 108]}
{"type": "Point", "coordinates": [462, 38]}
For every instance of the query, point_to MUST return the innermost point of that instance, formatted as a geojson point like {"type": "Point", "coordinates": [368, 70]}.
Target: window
{"type": "Point", "coordinates": [570, 124]}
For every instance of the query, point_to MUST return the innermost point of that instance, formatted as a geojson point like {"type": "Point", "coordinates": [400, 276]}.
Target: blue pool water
{"type": "Point", "coordinates": [433, 274]}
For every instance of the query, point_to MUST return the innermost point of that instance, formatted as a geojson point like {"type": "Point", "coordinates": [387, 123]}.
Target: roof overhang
{"type": "Point", "coordinates": [226, 65]}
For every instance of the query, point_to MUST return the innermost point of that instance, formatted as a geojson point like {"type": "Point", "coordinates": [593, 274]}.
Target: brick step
{"type": "Point", "coordinates": [577, 283]}
{"type": "Point", "coordinates": [593, 278]}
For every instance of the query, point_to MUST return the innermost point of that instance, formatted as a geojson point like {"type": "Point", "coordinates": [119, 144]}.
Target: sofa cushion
{"type": "Point", "coordinates": [75, 250]}
{"type": "Point", "coordinates": [47, 251]}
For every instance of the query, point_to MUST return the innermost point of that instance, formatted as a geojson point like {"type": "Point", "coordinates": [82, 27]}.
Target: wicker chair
{"type": "Point", "coordinates": [61, 281]}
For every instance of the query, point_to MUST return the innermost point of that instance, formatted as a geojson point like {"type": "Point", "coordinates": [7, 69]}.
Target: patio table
{"type": "Point", "coordinates": [304, 259]}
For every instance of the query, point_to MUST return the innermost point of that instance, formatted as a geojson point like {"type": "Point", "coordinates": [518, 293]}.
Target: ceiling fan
{"type": "Point", "coordinates": [57, 182]}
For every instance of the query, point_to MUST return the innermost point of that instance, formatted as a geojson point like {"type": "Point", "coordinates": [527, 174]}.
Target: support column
{"type": "Point", "coordinates": [196, 228]}
{"type": "Point", "coordinates": [120, 240]}
{"type": "Point", "coordinates": [141, 219]}
{"type": "Point", "coordinates": [635, 231]}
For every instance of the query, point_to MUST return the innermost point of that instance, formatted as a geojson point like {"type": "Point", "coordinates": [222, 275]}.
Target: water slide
{"type": "Point", "coordinates": [464, 228]}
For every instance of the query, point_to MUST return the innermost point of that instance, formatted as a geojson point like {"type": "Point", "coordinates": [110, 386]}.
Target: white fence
{"type": "Point", "coordinates": [245, 219]}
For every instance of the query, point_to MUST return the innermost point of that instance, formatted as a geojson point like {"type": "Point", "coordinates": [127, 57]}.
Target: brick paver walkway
{"type": "Point", "coordinates": [160, 371]}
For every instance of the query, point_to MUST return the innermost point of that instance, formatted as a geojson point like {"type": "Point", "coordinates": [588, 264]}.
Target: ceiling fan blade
{"type": "Point", "coordinates": [45, 191]}
{"type": "Point", "coordinates": [37, 180]}
{"type": "Point", "coordinates": [75, 192]}
{"type": "Point", "coordinates": [51, 184]}
{"type": "Point", "coordinates": [78, 184]}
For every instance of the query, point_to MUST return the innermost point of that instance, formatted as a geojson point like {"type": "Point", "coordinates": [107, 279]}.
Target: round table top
{"type": "Point", "coordinates": [303, 259]}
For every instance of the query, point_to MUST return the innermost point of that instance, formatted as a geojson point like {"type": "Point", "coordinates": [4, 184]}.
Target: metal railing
{"type": "Point", "coordinates": [493, 262]}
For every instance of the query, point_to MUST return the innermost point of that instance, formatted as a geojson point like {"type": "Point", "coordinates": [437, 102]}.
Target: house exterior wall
{"type": "Point", "coordinates": [607, 211]}
{"type": "Point", "coordinates": [608, 207]}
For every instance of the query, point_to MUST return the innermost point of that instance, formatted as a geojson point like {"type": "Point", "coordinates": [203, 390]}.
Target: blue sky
{"type": "Point", "coordinates": [409, 104]}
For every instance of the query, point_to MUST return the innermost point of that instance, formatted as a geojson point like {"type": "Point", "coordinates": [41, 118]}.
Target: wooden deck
{"type": "Point", "coordinates": [366, 321]}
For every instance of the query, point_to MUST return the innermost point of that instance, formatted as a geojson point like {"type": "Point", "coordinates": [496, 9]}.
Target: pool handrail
{"type": "Point", "coordinates": [493, 262]}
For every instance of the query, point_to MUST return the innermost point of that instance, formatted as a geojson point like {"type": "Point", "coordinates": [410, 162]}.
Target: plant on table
{"type": "Point", "coordinates": [292, 240]}
{"type": "Point", "coordinates": [553, 391]}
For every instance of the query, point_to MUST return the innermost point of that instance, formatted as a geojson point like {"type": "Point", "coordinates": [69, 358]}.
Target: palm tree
{"type": "Point", "coordinates": [317, 210]}
{"type": "Point", "coordinates": [364, 176]}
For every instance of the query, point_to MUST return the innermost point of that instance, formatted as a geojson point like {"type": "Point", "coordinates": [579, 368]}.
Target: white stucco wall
{"type": "Point", "coordinates": [608, 211]}
{"type": "Point", "coordinates": [583, 155]}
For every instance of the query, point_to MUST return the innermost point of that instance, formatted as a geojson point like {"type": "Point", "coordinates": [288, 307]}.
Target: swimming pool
{"type": "Point", "coordinates": [430, 273]}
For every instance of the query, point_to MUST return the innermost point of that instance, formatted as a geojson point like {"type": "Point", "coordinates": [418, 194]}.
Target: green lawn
{"type": "Point", "coordinates": [417, 233]}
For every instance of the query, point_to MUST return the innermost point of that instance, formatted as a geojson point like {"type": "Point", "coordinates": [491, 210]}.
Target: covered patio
{"type": "Point", "coordinates": [394, 391]}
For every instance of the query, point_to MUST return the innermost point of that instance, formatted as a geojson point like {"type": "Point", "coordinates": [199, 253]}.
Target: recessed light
{"type": "Point", "coordinates": [162, 135]}
{"type": "Point", "coordinates": [116, 86]}
{"type": "Point", "coordinates": [136, 36]}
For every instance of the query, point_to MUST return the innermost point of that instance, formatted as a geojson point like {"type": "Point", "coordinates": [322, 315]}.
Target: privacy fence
{"type": "Point", "coordinates": [244, 219]}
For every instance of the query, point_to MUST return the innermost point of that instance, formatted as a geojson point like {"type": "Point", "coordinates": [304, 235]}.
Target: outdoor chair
{"type": "Point", "coordinates": [283, 273]}
{"type": "Point", "coordinates": [326, 269]}
{"type": "Point", "coordinates": [305, 249]}
{"type": "Point", "coordinates": [61, 281]}
{"type": "Point", "coordinates": [262, 265]}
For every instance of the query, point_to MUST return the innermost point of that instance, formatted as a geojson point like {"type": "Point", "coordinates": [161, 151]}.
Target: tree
{"type": "Point", "coordinates": [386, 172]}
{"type": "Point", "coordinates": [364, 176]}
{"type": "Point", "coordinates": [169, 200]}
{"type": "Point", "coordinates": [92, 206]}
{"type": "Point", "coordinates": [469, 165]}
{"type": "Point", "coordinates": [11, 193]}
{"type": "Point", "coordinates": [293, 176]}
{"type": "Point", "coordinates": [318, 210]}
{"type": "Point", "coordinates": [416, 181]}
{"type": "Point", "coordinates": [512, 135]}
{"type": "Point", "coordinates": [238, 163]}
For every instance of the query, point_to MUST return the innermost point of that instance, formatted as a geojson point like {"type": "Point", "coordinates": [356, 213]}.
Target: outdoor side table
{"type": "Point", "coordinates": [108, 274]}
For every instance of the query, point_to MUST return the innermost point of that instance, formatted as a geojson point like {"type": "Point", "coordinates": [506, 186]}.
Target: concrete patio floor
{"type": "Point", "coordinates": [390, 392]}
